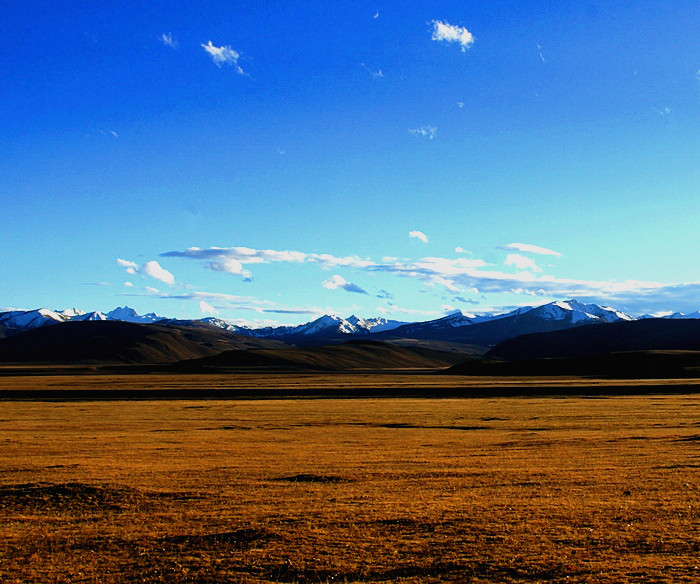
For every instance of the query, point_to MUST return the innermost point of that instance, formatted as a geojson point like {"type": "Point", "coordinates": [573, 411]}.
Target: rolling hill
{"type": "Point", "coordinates": [358, 354]}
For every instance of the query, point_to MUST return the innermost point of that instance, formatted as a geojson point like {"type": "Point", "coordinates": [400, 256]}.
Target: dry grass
{"type": "Point", "coordinates": [364, 490]}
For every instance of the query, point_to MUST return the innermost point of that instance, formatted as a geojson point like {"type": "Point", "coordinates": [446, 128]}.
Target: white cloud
{"type": "Point", "coordinates": [444, 32]}
{"type": "Point", "coordinates": [527, 248]}
{"type": "Point", "coordinates": [131, 267]}
{"type": "Point", "coordinates": [152, 269]}
{"type": "Point", "coordinates": [418, 235]}
{"type": "Point", "coordinates": [460, 249]}
{"type": "Point", "coordinates": [521, 262]}
{"type": "Point", "coordinates": [232, 259]}
{"type": "Point", "coordinates": [128, 284]}
{"type": "Point", "coordinates": [206, 308]}
{"type": "Point", "coordinates": [463, 273]}
{"type": "Point", "coordinates": [230, 266]}
{"type": "Point", "coordinates": [223, 55]}
{"type": "Point", "coordinates": [330, 261]}
{"type": "Point", "coordinates": [151, 290]}
{"type": "Point", "coordinates": [429, 132]}
{"type": "Point", "coordinates": [335, 282]}
{"type": "Point", "coordinates": [167, 39]}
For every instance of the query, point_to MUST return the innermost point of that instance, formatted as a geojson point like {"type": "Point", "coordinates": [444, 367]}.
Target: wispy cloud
{"type": "Point", "coordinates": [335, 282]}
{"type": "Point", "coordinates": [418, 235]}
{"type": "Point", "coordinates": [521, 262]}
{"type": "Point", "coordinates": [528, 248]}
{"type": "Point", "coordinates": [220, 301]}
{"type": "Point", "coordinates": [457, 275]}
{"type": "Point", "coordinates": [663, 110]}
{"type": "Point", "coordinates": [375, 73]}
{"type": "Point", "coordinates": [223, 55]}
{"type": "Point", "coordinates": [167, 39]}
{"type": "Point", "coordinates": [232, 259]}
{"type": "Point", "coordinates": [206, 308]}
{"type": "Point", "coordinates": [429, 132]}
{"type": "Point", "coordinates": [448, 33]}
{"type": "Point", "coordinates": [539, 51]}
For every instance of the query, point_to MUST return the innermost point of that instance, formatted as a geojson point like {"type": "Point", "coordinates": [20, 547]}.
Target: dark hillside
{"type": "Point", "coordinates": [640, 335]}
{"type": "Point", "coordinates": [120, 342]}
{"type": "Point", "coordinates": [624, 365]}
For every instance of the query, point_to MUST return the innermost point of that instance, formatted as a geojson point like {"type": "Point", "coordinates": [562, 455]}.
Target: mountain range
{"type": "Point", "coordinates": [461, 328]}
{"type": "Point", "coordinates": [565, 337]}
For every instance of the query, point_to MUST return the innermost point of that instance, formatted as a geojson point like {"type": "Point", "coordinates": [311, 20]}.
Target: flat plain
{"type": "Point", "coordinates": [562, 488]}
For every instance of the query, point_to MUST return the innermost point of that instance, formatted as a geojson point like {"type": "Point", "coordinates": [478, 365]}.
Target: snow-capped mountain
{"type": "Point", "coordinates": [373, 325]}
{"type": "Point", "coordinates": [326, 327]}
{"type": "Point", "coordinates": [456, 319]}
{"type": "Point", "coordinates": [30, 319]}
{"type": "Point", "coordinates": [90, 316]}
{"type": "Point", "coordinates": [457, 327]}
{"type": "Point", "coordinates": [487, 330]}
{"type": "Point", "coordinates": [578, 312]}
{"type": "Point", "coordinates": [679, 315]}
{"type": "Point", "coordinates": [128, 314]}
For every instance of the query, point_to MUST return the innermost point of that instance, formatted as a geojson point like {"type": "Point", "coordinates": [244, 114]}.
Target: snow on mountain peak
{"type": "Point", "coordinates": [128, 314]}
{"type": "Point", "coordinates": [71, 312]}
{"type": "Point", "coordinates": [578, 311]}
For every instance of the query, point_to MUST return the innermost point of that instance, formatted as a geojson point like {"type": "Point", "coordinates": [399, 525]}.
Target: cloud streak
{"type": "Point", "coordinates": [335, 282]}
{"type": "Point", "coordinates": [418, 235]}
{"type": "Point", "coordinates": [232, 259]}
{"type": "Point", "coordinates": [528, 248]}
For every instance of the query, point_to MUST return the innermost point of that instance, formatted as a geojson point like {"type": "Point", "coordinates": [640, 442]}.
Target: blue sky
{"type": "Point", "coordinates": [271, 162]}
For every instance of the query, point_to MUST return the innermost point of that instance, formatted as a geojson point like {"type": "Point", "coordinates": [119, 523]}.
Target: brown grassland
{"type": "Point", "coordinates": [485, 489]}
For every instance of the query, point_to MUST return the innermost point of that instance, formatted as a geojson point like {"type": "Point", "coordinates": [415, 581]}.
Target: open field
{"type": "Point", "coordinates": [56, 382]}
{"type": "Point", "coordinates": [522, 489]}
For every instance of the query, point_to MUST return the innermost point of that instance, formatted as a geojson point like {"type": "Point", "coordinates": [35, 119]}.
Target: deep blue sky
{"type": "Point", "coordinates": [335, 132]}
